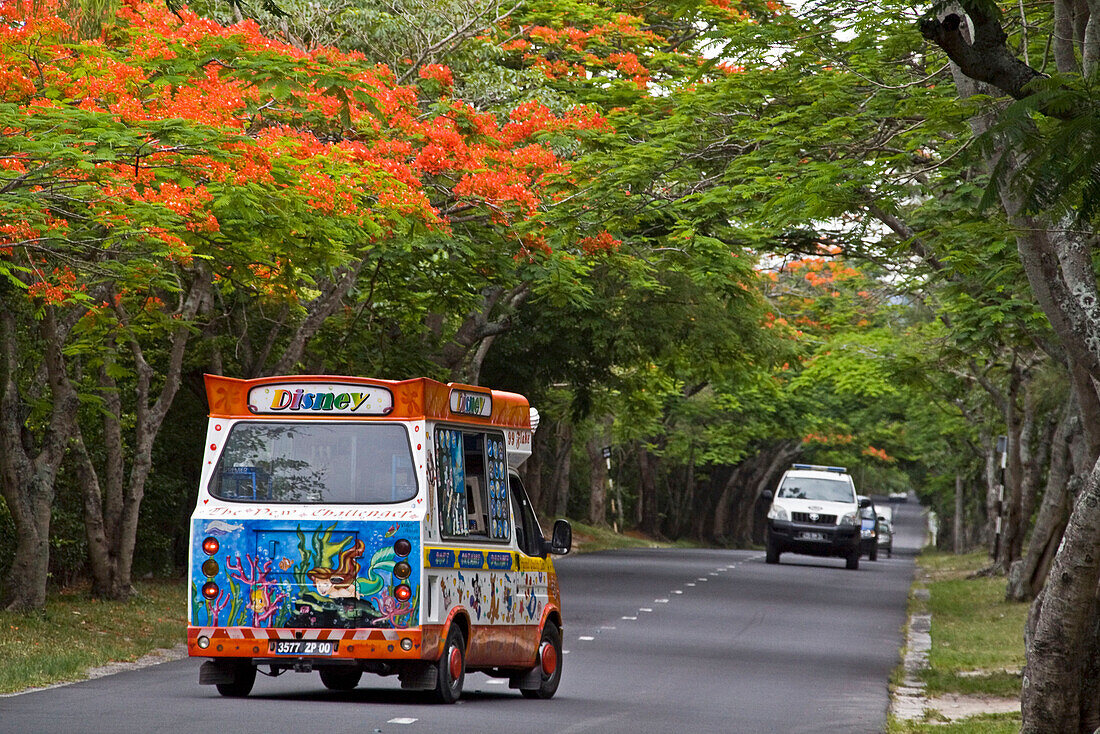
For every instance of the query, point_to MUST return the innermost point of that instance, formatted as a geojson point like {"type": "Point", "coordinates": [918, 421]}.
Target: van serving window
{"type": "Point", "coordinates": [473, 496]}
{"type": "Point", "coordinates": [315, 463]}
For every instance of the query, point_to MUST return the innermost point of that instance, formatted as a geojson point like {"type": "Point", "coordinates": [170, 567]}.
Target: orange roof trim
{"type": "Point", "coordinates": [312, 397]}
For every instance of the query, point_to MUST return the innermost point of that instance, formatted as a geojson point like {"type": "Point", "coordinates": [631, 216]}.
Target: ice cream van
{"type": "Point", "coordinates": [348, 525]}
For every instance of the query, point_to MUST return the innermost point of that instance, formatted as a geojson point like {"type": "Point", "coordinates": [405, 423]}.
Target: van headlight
{"type": "Point", "coordinates": [778, 513]}
{"type": "Point", "coordinates": [852, 518]}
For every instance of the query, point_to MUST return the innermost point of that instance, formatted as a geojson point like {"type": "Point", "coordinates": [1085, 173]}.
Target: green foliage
{"type": "Point", "coordinates": [1055, 132]}
{"type": "Point", "coordinates": [75, 632]}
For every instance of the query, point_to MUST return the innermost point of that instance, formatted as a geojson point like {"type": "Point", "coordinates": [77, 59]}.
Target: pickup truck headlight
{"type": "Point", "coordinates": [852, 518]}
{"type": "Point", "coordinates": [778, 513]}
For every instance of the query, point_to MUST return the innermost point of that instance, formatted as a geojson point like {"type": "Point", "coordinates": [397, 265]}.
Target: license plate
{"type": "Point", "coordinates": [302, 647]}
{"type": "Point", "coordinates": [813, 536]}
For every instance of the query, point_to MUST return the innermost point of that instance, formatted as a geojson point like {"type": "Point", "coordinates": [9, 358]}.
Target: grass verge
{"type": "Point", "coordinates": [977, 643]}
{"type": "Point", "coordinates": [591, 538]}
{"type": "Point", "coordinates": [75, 633]}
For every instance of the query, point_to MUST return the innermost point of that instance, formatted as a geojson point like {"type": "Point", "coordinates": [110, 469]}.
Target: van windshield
{"type": "Point", "coordinates": [315, 463]}
{"type": "Point", "coordinates": [814, 488]}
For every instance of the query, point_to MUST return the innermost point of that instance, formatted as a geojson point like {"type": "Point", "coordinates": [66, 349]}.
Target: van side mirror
{"type": "Point", "coordinates": [766, 494]}
{"type": "Point", "coordinates": [864, 503]}
{"type": "Point", "coordinates": [561, 540]}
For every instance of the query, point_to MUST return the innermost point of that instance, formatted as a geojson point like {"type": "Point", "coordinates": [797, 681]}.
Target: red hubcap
{"type": "Point", "coordinates": [455, 663]}
{"type": "Point", "coordinates": [549, 655]}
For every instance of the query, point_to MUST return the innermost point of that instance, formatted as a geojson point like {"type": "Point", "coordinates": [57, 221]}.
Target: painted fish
{"type": "Point", "coordinates": [285, 563]}
{"type": "Point", "coordinates": [221, 527]}
{"type": "Point", "coordinates": [391, 532]}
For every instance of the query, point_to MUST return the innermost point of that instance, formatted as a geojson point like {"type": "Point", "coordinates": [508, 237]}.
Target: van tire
{"type": "Point", "coordinates": [244, 677]}
{"type": "Point", "coordinates": [550, 644]}
{"type": "Point", "coordinates": [451, 667]}
{"type": "Point", "coordinates": [337, 679]}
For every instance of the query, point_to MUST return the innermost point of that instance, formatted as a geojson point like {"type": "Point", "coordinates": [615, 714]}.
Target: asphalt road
{"type": "Point", "coordinates": [657, 641]}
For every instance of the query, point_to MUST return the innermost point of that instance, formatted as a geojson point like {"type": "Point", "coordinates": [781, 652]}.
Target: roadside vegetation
{"type": "Point", "coordinates": [76, 632]}
{"type": "Point", "coordinates": [977, 644]}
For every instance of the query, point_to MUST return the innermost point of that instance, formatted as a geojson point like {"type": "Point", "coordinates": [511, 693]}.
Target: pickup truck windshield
{"type": "Point", "coordinates": [813, 488]}
{"type": "Point", "coordinates": [315, 463]}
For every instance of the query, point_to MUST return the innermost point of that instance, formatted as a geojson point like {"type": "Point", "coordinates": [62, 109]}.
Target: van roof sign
{"type": "Point", "coordinates": [346, 397]}
{"type": "Point", "coordinates": [283, 398]}
{"type": "Point", "coordinates": [468, 402]}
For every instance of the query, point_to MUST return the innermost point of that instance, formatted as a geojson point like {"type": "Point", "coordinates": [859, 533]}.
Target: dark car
{"type": "Point", "coordinates": [868, 528]}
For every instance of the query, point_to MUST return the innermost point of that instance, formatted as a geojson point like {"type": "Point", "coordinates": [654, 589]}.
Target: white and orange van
{"type": "Point", "coordinates": [350, 525]}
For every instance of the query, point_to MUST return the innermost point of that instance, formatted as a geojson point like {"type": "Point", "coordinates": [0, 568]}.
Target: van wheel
{"type": "Point", "coordinates": [244, 677]}
{"type": "Point", "coordinates": [451, 667]}
{"type": "Point", "coordinates": [853, 560]}
{"type": "Point", "coordinates": [336, 679]}
{"type": "Point", "coordinates": [549, 660]}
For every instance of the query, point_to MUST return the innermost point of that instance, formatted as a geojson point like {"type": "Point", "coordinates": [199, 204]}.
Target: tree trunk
{"type": "Point", "coordinates": [1064, 621]}
{"type": "Point", "coordinates": [112, 498]}
{"type": "Point", "coordinates": [563, 465]}
{"type": "Point", "coordinates": [1025, 583]}
{"type": "Point", "coordinates": [763, 474]}
{"type": "Point", "coordinates": [720, 518]}
{"type": "Point", "coordinates": [1012, 525]}
{"type": "Point", "coordinates": [649, 521]}
{"type": "Point", "coordinates": [463, 355]}
{"type": "Point", "coordinates": [960, 540]}
{"type": "Point", "coordinates": [1034, 456]}
{"type": "Point", "coordinates": [27, 473]}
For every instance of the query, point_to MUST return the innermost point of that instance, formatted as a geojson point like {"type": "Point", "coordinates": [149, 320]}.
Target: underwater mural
{"type": "Point", "coordinates": [305, 574]}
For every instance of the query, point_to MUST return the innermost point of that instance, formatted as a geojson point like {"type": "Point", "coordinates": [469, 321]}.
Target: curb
{"type": "Point", "coordinates": [909, 702]}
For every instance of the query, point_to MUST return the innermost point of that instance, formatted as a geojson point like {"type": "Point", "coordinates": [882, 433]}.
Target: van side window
{"type": "Point", "coordinates": [451, 480]}
{"type": "Point", "coordinates": [528, 533]}
{"type": "Point", "coordinates": [471, 488]}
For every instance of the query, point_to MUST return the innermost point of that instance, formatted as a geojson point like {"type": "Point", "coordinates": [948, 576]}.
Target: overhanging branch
{"type": "Point", "coordinates": [987, 57]}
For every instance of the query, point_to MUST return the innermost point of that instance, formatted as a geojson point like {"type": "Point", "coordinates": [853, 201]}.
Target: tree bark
{"type": "Point", "coordinates": [649, 520]}
{"type": "Point", "coordinates": [28, 471]}
{"type": "Point", "coordinates": [762, 475]}
{"type": "Point", "coordinates": [563, 465]}
{"type": "Point", "coordinates": [959, 539]}
{"type": "Point", "coordinates": [465, 353]}
{"type": "Point", "coordinates": [1053, 513]}
{"type": "Point", "coordinates": [112, 498]}
{"type": "Point", "coordinates": [1064, 623]}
